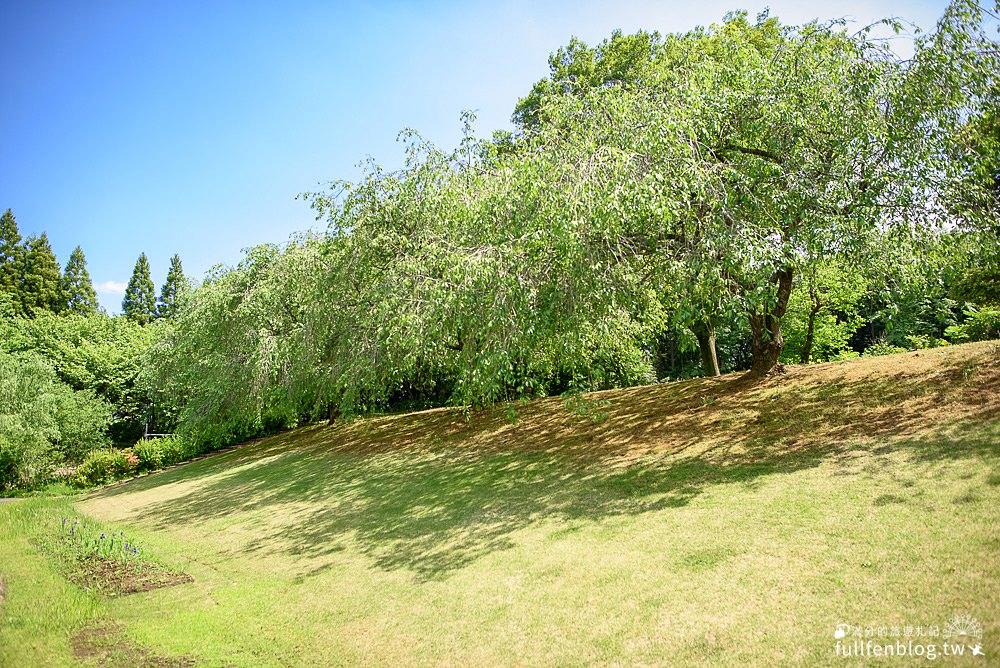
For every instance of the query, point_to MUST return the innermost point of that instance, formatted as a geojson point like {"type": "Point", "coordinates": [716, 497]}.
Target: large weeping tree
{"type": "Point", "coordinates": [795, 145]}
{"type": "Point", "coordinates": [461, 276]}
{"type": "Point", "coordinates": [551, 259]}
{"type": "Point", "coordinates": [826, 139]}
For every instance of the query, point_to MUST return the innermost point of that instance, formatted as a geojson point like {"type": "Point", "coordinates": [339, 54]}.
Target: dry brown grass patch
{"type": "Point", "coordinates": [104, 643]}
{"type": "Point", "coordinates": [860, 401]}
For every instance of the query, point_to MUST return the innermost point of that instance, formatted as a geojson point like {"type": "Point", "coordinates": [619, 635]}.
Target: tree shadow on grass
{"type": "Point", "coordinates": [430, 492]}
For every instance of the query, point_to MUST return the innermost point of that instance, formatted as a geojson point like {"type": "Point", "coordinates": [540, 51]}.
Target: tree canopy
{"type": "Point", "coordinates": [762, 148]}
{"type": "Point", "coordinates": [747, 181]}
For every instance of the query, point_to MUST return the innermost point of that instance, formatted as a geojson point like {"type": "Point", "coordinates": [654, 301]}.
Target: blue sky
{"type": "Point", "coordinates": [183, 127]}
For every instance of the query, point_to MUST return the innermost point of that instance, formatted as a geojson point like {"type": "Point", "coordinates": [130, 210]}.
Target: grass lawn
{"type": "Point", "coordinates": [699, 523]}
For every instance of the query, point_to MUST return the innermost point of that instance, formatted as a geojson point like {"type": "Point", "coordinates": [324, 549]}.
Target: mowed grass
{"type": "Point", "coordinates": [708, 522]}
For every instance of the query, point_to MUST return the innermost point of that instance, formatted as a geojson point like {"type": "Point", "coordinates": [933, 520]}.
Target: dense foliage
{"type": "Point", "coordinates": [74, 379]}
{"type": "Point", "coordinates": [43, 421]}
{"type": "Point", "coordinates": [733, 196]}
{"type": "Point", "coordinates": [717, 200]}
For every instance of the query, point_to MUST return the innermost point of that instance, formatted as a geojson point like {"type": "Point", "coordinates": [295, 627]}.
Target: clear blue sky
{"type": "Point", "coordinates": [184, 127]}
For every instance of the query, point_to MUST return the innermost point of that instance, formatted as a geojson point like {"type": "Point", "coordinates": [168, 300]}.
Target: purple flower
{"type": "Point", "coordinates": [126, 546]}
{"type": "Point", "coordinates": [135, 550]}
{"type": "Point", "coordinates": [102, 536]}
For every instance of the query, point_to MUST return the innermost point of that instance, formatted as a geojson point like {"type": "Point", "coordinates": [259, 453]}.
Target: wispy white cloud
{"type": "Point", "coordinates": [110, 288]}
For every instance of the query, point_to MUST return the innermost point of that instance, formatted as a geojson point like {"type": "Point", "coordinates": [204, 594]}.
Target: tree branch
{"type": "Point", "coordinates": [760, 153]}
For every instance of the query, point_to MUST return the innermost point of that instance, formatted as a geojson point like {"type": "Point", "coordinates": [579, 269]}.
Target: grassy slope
{"type": "Point", "coordinates": [702, 523]}
{"type": "Point", "coordinates": [39, 609]}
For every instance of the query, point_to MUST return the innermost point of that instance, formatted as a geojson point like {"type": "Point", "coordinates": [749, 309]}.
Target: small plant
{"type": "Point", "coordinates": [512, 410]}
{"type": "Point", "coordinates": [84, 539]}
{"type": "Point", "coordinates": [881, 348]}
{"type": "Point", "coordinates": [924, 341]}
{"type": "Point", "coordinates": [103, 559]}
{"type": "Point", "coordinates": [174, 449]}
{"type": "Point", "coordinates": [594, 410]}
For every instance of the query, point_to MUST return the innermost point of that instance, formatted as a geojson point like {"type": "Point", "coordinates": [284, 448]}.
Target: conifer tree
{"type": "Point", "coordinates": [41, 280]}
{"type": "Point", "coordinates": [76, 285]}
{"type": "Point", "coordinates": [11, 257]}
{"type": "Point", "coordinates": [139, 304]}
{"type": "Point", "coordinates": [173, 291]}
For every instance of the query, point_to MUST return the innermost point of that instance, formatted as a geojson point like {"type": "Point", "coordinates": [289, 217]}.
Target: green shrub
{"type": "Point", "coordinates": [24, 462]}
{"type": "Point", "coordinates": [107, 465]}
{"type": "Point", "coordinates": [980, 325]}
{"type": "Point", "coordinates": [103, 466]}
{"type": "Point", "coordinates": [844, 355]}
{"type": "Point", "coordinates": [175, 449]}
{"type": "Point", "coordinates": [923, 342]}
{"type": "Point", "coordinates": [881, 348]}
{"type": "Point", "coordinates": [150, 455]}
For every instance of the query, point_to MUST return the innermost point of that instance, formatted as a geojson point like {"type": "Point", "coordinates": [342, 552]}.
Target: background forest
{"type": "Point", "coordinates": [731, 198]}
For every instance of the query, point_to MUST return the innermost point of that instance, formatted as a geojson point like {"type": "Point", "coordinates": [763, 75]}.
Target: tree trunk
{"type": "Point", "coordinates": [332, 412]}
{"type": "Point", "coordinates": [810, 329]}
{"type": "Point", "coordinates": [765, 325]}
{"type": "Point", "coordinates": [704, 330]}
{"type": "Point", "coordinates": [807, 347]}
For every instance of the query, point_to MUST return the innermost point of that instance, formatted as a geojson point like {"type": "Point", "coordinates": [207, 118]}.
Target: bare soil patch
{"type": "Point", "coordinates": [104, 643]}
{"type": "Point", "coordinates": [112, 579]}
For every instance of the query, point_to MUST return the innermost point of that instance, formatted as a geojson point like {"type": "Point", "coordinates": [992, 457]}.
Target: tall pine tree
{"type": "Point", "coordinates": [11, 259]}
{"type": "Point", "coordinates": [76, 285]}
{"type": "Point", "coordinates": [173, 291]}
{"type": "Point", "coordinates": [139, 304]}
{"type": "Point", "coordinates": [41, 280]}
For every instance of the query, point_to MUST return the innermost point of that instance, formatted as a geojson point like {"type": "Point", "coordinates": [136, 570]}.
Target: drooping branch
{"type": "Point", "coordinates": [746, 150]}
